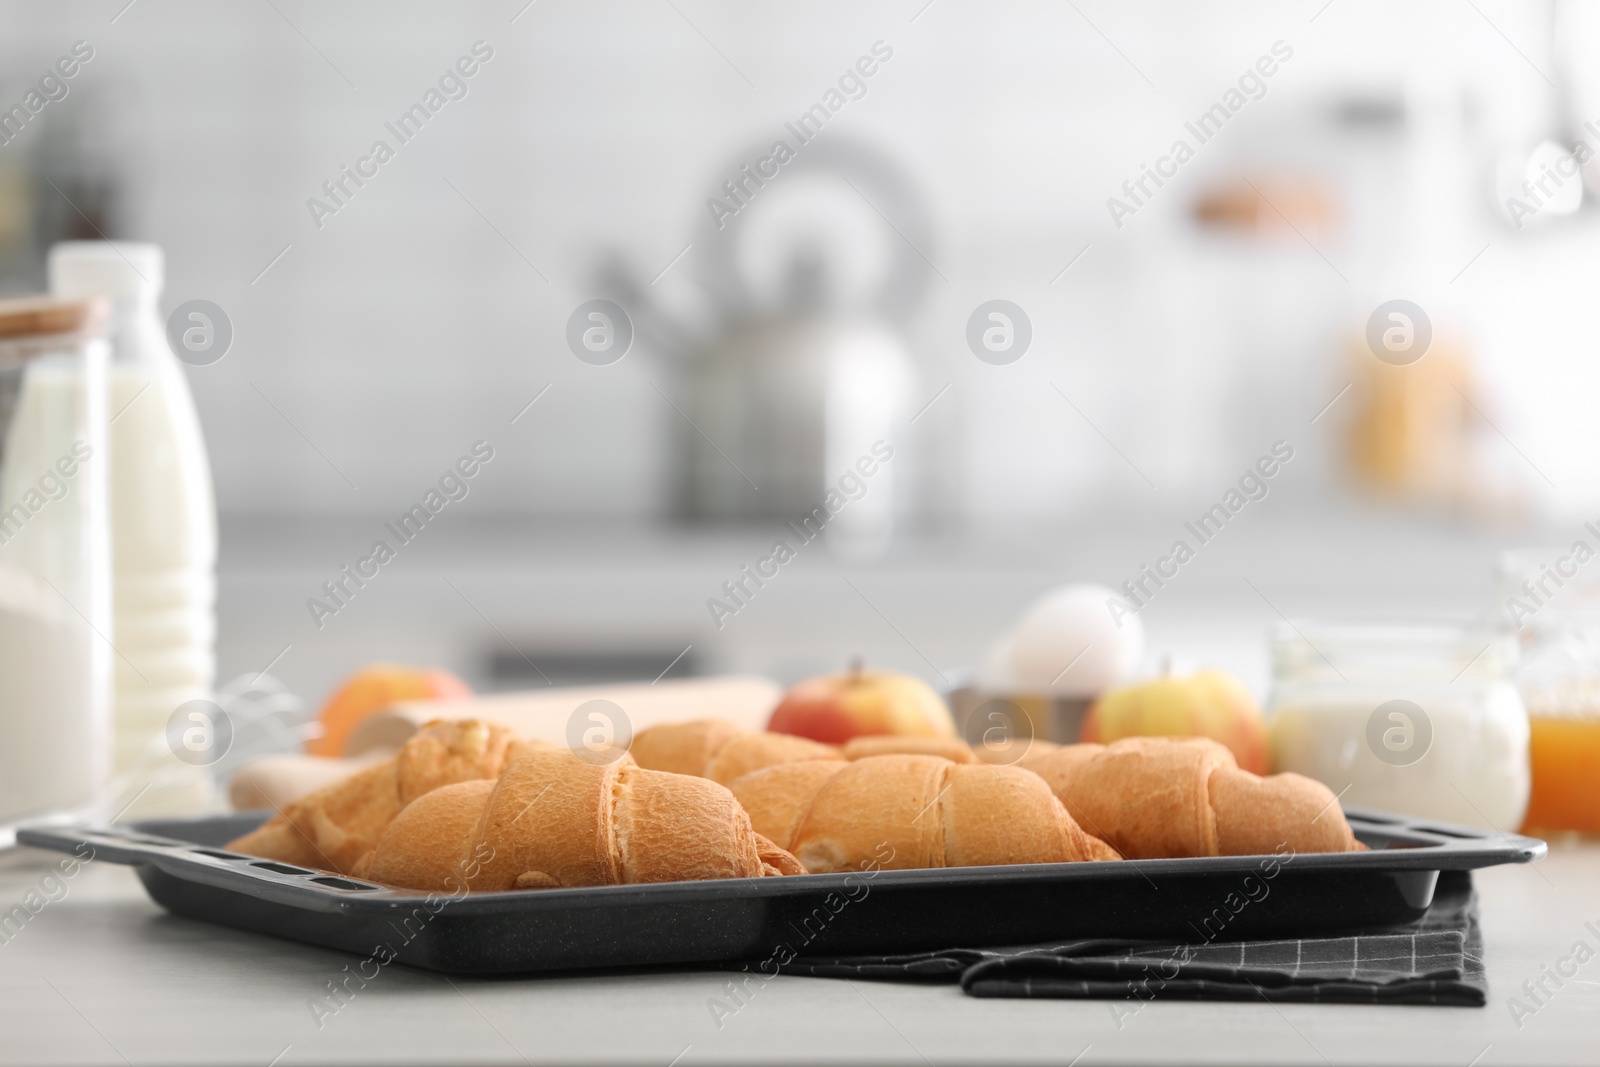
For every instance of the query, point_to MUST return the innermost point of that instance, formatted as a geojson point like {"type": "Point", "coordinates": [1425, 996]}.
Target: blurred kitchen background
{"type": "Point", "coordinates": [1227, 312]}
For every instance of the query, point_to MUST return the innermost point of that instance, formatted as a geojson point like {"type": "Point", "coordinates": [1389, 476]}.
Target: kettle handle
{"type": "Point", "coordinates": [880, 181]}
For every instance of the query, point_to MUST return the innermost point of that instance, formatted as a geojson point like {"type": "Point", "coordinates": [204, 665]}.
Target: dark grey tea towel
{"type": "Point", "coordinates": [1437, 959]}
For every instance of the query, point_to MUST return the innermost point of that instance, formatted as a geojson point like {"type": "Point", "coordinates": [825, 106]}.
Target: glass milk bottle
{"type": "Point", "coordinates": [163, 516]}
{"type": "Point", "coordinates": [1422, 720]}
{"type": "Point", "coordinates": [55, 604]}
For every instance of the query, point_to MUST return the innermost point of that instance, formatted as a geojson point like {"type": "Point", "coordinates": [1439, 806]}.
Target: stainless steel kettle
{"type": "Point", "coordinates": [792, 386]}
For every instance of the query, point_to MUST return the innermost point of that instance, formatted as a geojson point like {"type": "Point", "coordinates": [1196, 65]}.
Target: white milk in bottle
{"type": "Point", "coordinates": [163, 515]}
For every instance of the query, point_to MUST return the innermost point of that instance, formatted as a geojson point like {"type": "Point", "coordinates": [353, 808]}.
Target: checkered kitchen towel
{"type": "Point", "coordinates": [1436, 960]}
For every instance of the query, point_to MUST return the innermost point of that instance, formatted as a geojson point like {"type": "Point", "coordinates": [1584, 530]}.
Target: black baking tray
{"type": "Point", "coordinates": [186, 871]}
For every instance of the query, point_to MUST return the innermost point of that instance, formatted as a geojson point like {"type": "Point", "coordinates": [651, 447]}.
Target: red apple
{"type": "Point", "coordinates": [859, 703]}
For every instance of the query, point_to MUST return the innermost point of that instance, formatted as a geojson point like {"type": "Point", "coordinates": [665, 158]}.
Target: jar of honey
{"type": "Point", "coordinates": [1550, 599]}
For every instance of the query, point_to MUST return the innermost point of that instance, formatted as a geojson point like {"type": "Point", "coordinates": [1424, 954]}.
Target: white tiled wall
{"type": "Point", "coordinates": [412, 323]}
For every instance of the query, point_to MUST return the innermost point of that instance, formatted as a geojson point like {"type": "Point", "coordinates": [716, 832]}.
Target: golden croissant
{"type": "Point", "coordinates": [1159, 796]}
{"type": "Point", "coordinates": [554, 819]}
{"type": "Point", "coordinates": [924, 811]}
{"type": "Point", "coordinates": [335, 826]}
{"type": "Point", "coordinates": [719, 750]}
{"type": "Point", "coordinates": [723, 751]}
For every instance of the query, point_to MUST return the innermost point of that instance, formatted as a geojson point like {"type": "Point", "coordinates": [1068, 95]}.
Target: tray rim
{"type": "Point", "coordinates": [1435, 846]}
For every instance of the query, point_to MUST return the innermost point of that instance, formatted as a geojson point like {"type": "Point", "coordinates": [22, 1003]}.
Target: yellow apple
{"type": "Point", "coordinates": [858, 703]}
{"type": "Point", "coordinates": [1211, 703]}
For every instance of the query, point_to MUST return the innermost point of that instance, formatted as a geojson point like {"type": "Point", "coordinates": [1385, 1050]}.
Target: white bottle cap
{"type": "Point", "coordinates": [106, 268]}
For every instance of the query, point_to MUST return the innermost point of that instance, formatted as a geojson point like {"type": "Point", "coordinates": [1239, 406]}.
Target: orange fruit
{"type": "Point", "coordinates": [373, 688]}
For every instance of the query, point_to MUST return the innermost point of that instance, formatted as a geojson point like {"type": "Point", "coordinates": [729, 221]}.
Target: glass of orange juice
{"type": "Point", "coordinates": [1551, 599]}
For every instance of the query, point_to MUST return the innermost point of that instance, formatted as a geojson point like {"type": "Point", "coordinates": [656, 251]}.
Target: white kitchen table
{"type": "Point", "coordinates": [103, 976]}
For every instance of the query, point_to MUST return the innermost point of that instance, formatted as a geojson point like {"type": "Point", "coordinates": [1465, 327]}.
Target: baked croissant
{"type": "Point", "coordinates": [720, 750]}
{"type": "Point", "coordinates": [724, 752]}
{"type": "Point", "coordinates": [924, 811]}
{"type": "Point", "coordinates": [1154, 797]}
{"type": "Point", "coordinates": [950, 748]}
{"type": "Point", "coordinates": [1003, 753]}
{"type": "Point", "coordinates": [333, 827]}
{"type": "Point", "coordinates": [554, 819]}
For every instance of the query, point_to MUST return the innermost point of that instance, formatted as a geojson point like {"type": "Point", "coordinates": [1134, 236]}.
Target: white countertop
{"type": "Point", "coordinates": [103, 976]}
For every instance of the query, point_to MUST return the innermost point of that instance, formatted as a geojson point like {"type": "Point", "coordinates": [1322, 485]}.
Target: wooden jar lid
{"type": "Point", "coordinates": [34, 315]}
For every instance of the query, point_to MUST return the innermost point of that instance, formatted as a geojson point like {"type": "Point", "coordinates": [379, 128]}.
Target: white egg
{"type": "Point", "coordinates": [1068, 644]}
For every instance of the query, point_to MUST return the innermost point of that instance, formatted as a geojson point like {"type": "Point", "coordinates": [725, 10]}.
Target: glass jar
{"type": "Point", "coordinates": [1549, 599]}
{"type": "Point", "coordinates": [55, 605]}
{"type": "Point", "coordinates": [1423, 720]}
